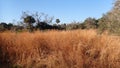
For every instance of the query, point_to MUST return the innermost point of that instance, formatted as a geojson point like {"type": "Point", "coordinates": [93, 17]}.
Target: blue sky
{"type": "Point", "coordinates": [65, 10]}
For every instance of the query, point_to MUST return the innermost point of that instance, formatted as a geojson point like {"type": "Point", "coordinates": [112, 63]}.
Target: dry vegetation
{"type": "Point", "coordinates": [59, 49]}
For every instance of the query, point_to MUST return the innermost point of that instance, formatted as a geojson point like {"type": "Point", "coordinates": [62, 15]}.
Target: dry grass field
{"type": "Point", "coordinates": [59, 49]}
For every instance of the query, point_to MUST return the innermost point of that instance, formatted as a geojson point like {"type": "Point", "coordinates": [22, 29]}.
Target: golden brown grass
{"type": "Point", "coordinates": [59, 49]}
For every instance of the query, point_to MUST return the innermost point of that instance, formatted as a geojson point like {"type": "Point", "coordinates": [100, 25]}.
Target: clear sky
{"type": "Point", "coordinates": [65, 10]}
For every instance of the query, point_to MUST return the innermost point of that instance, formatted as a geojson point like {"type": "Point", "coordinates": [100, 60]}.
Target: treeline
{"type": "Point", "coordinates": [39, 21]}
{"type": "Point", "coordinates": [32, 23]}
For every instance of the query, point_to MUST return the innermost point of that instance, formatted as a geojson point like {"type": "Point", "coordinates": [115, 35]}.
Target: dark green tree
{"type": "Point", "coordinates": [3, 26]}
{"type": "Point", "coordinates": [57, 21]}
{"type": "Point", "coordinates": [29, 20]}
{"type": "Point", "coordinates": [10, 25]}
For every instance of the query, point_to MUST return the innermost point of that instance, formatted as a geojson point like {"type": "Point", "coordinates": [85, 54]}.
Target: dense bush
{"type": "Point", "coordinates": [111, 20]}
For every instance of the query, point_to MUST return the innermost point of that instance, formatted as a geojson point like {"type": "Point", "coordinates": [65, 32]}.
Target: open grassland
{"type": "Point", "coordinates": [59, 49]}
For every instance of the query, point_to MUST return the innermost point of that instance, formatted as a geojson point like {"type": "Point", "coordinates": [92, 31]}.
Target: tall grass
{"type": "Point", "coordinates": [59, 49]}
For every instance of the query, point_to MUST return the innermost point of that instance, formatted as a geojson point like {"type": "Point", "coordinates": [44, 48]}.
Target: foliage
{"type": "Point", "coordinates": [4, 26]}
{"type": "Point", "coordinates": [111, 20]}
{"type": "Point", "coordinates": [57, 21]}
{"type": "Point", "coordinates": [91, 23]}
{"type": "Point", "coordinates": [29, 20]}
